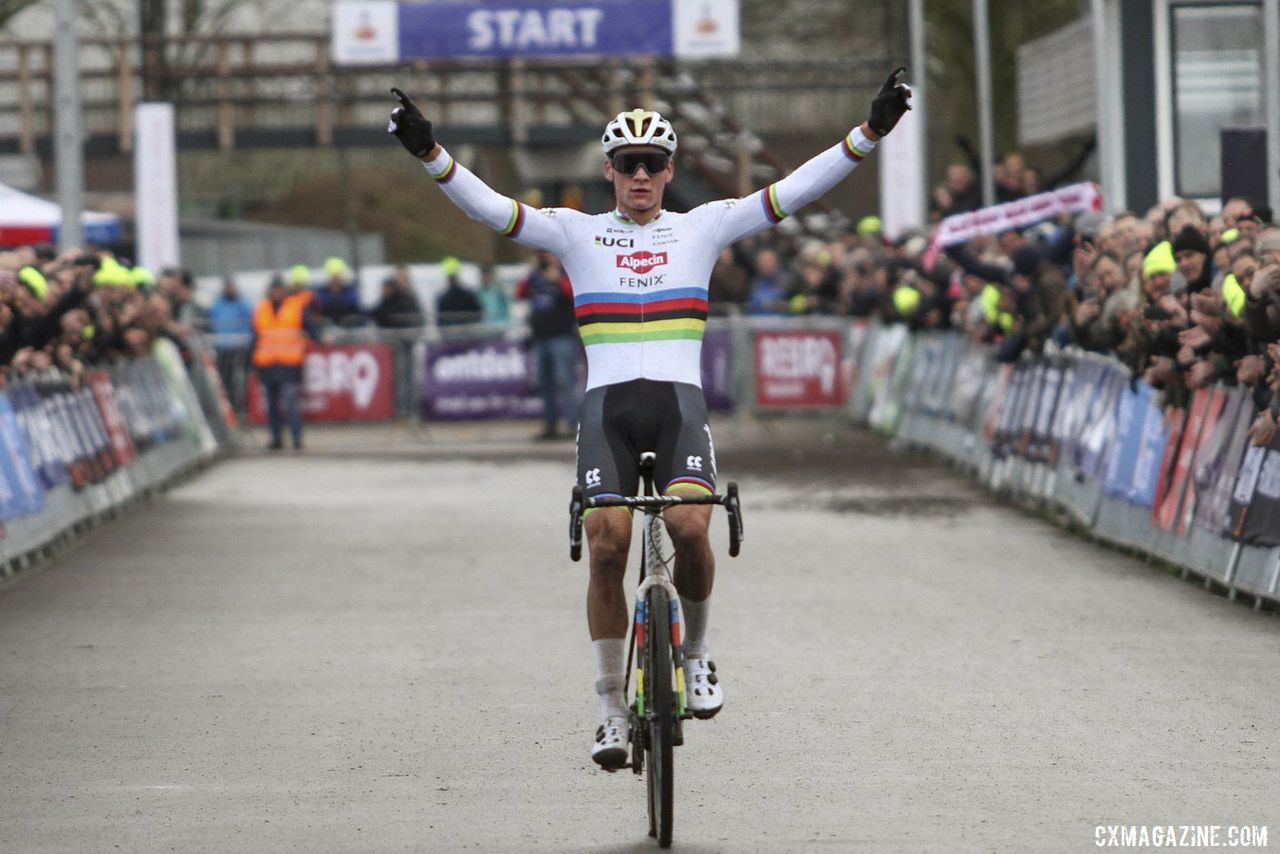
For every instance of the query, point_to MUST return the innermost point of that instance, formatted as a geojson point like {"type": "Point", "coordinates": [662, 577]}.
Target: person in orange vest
{"type": "Point", "coordinates": [281, 325]}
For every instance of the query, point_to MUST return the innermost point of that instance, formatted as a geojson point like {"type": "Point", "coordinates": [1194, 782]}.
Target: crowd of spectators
{"type": "Point", "coordinates": [1184, 299]}
{"type": "Point", "coordinates": [62, 313]}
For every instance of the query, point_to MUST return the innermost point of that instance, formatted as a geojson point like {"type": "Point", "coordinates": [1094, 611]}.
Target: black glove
{"type": "Point", "coordinates": [890, 103]}
{"type": "Point", "coordinates": [411, 127]}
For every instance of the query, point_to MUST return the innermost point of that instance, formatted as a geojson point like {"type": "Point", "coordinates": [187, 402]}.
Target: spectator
{"type": "Point", "coordinates": [960, 193]}
{"type": "Point", "coordinates": [398, 307]}
{"type": "Point", "coordinates": [339, 301]}
{"type": "Point", "coordinates": [554, 344]}
{"type": "Point", "coordinates": [281, 326]}
{"type": "Point", "coordinates": [231, 321]}
{"type": "Point", "coordinates": [768, 295]}
{"type": "Point", "coordinates": [1191, 251]}
{"type": "Point", "coordinates": [729, 282]}
{"type": "Point", "coordinates": [494, 304]}
{"type": "Point", "coordinates": [456, 305]}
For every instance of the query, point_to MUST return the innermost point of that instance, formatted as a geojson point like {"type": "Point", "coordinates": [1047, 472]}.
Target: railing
{"type": "Point", "coordinates": [281, 88]}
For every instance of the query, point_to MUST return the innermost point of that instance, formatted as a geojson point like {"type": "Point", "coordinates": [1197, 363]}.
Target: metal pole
{"type": "Point", "coordinates": [349, 211]}
{"type": "Point", "coordinates": [919, 78]}
{"type": "Point", "coordinates": [68, 140]}
{"type": "Point", "coordinates": [986, 135]}
{"type": "Point", "coordinates": [1271, 92]}
{"type": "Point", "coordinates": [1103, 88]}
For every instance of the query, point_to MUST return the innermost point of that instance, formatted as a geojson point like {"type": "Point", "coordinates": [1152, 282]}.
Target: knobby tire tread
{"type": "Point", "coordinates": [660, 758]}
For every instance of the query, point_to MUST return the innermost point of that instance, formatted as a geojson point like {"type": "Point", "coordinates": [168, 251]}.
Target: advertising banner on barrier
{"type": "Point", "coordinates": [1146, 470]}
{"type": "Point", "coordinates": [478, 379]}
{"type": "Point", "coordinates": [105, 397]}
{"type": "Point", "coordinates": [27, 494]}
{"type": "Point", "coordinates": [497, 379]}
{"type": "Point", "coordinates": [1220, 462]}
{"type": "Point", "coordinates": [39, 437]}
{"type": "Point", "coordinates": [1261, 523]}
{"type": "Point", "coordinates": [1177, 492]}
{"type": "Point", "coordinates": [717, 369]}
{"type": "Point", "coordinates": [890, 372]}
{"type": "Point", "coordinates": [799, 369]}
{"type": "Point", "coordinates": [1208, 425]}
{"type": "Point", "coordinates": [340, 382]}
{"type": "Point", "coordinates": [972, 371]}
{"type": "Point", "coordinates": [1130, 432]}
{"type": "Point", "coordinates": [1100, 433]}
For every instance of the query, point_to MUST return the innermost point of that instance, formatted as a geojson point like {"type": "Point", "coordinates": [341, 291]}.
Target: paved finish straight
{"type": "Point", "coordinates": [380, 646]}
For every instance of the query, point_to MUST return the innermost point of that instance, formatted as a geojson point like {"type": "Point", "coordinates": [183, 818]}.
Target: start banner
{"type": "Point", "coordinates": [799, 369]}
{"type": "Point", "coordinates": [340, 382]}
{"type": "Point", "coordinates": [376, 32]}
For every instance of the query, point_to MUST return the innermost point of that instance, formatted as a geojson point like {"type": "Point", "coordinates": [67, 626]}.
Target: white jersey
{"type": "Point", "coordinates": [640, 291]}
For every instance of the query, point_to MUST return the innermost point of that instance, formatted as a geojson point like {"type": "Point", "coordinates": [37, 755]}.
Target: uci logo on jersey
{"type": "Point", "coordinates": [622, 242]}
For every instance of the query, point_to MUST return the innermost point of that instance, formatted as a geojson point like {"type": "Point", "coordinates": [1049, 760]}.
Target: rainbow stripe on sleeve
{"type": "Point", "coordinates": [668, 315]}
{"type": "Point", "coordinates": [516, 222]}
{"type": "Point", "coordinates": [772, 207]}
{"type": "Point", "coordinates": [447, 174]}
{"type": "Point", "coordinates": [846, 145]}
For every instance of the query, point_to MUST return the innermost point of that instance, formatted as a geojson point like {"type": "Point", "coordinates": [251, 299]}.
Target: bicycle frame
{"type": "Point", "coordinates": [657, 726]}
{"type": "Point", "coordinates": [653, 566]}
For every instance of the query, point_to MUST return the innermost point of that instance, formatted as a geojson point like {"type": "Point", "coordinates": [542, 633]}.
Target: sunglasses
{"type": "Point", "coordinates": [627, 162]}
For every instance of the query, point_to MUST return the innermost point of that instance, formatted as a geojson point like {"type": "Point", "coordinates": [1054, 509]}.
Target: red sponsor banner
{"type": "Point", "coordinates": [799, 369]}
{"type": "Point", "coordinates": [1181, 429]}
{"type": "Point", "coordinates": [1177, 502]}
{"type": "Point", "coordinates": [117, 430]}
{"type": "Point", "coordinates": [347, 382]}
{"type": "Point", "coordinates": [1216, 400]}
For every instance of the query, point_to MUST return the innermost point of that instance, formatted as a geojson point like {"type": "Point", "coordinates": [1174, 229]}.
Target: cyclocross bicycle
{"type": "Point", "coordinates": [658, 707]}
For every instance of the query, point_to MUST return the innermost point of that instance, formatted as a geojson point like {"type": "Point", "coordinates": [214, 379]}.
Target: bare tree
{"type": "Point", "coordinates": [10, 8]}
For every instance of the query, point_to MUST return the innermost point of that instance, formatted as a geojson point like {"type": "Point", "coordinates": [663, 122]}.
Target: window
{"type": "Point", "coordinates": [1217, 73]}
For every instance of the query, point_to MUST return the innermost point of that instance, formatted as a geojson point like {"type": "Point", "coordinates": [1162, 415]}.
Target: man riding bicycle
{"type": "Point", "coordinates": [640, 278]}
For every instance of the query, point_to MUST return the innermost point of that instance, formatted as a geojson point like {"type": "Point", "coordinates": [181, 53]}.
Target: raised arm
{"type": "Point", "coordinates": [478, 200]}
{"type": "Point", "coordinates": [733, 219]}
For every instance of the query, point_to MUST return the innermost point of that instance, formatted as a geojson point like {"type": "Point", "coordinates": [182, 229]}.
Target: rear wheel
{"type": "Point", "coordinates": [660, 715]}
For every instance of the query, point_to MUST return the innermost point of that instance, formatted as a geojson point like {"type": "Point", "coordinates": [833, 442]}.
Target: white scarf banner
{"type": "Point", "coordinates": [961, 228]}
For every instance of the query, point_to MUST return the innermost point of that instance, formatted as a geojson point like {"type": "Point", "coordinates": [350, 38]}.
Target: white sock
{"type": "Point", "coordinates": [695, 627]}
{"type": "Point", "coordinates": [610, 661]}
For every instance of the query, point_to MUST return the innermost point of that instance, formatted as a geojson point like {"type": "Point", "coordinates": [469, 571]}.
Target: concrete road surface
{"type": "Point", "coordinates": [381, 646]}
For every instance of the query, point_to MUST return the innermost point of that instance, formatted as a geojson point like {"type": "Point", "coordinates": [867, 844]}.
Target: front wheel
{"type": "Point", "coordinates": [660, 715]}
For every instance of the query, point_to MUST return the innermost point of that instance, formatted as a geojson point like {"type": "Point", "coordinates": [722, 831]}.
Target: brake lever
{"type": "Point", "coordinates": [733, 505]}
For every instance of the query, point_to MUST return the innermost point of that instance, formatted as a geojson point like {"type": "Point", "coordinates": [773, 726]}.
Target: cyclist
{"type": "Point", "coordinates": [639, 277]}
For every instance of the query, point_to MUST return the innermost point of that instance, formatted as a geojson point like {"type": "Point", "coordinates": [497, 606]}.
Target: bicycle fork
{"type": "Point", "coordinates": [641, 635]}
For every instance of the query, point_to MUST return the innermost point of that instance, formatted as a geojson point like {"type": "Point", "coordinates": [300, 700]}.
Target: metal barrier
{"type": "Point", "coordinates": [1068, 433]}
{"type": "Point", "coordinates": [72, 457]}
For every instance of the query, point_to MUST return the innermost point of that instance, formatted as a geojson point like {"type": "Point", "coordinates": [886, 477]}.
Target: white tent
{"type": "Point", "coordinates": [25, 218]}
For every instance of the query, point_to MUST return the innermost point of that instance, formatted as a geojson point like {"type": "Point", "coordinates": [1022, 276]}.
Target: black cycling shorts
{"type": "Point", "coordinates": [619, 422]}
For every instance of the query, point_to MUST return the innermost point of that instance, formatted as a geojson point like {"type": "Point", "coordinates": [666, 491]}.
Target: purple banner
{"type": "Point", "coordinates": [472, 380]}
{"type": "Point", "coordinates": [477, 380]}
{"type": "Point", "coordinates": [717, 373]}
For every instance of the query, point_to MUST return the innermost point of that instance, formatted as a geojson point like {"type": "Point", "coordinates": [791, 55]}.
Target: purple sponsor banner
{"type": "Point", "coordinates": [477, 380]}
{"type": "Point", "coordinates": [717, 370]}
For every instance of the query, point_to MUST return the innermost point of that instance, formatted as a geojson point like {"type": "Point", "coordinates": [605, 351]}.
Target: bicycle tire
{"type": "Point", "coordinates": [660, 717]}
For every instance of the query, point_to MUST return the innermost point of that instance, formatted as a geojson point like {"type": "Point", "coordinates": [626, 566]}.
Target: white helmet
{"type": "Point", "coordinates": [639, 127]}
